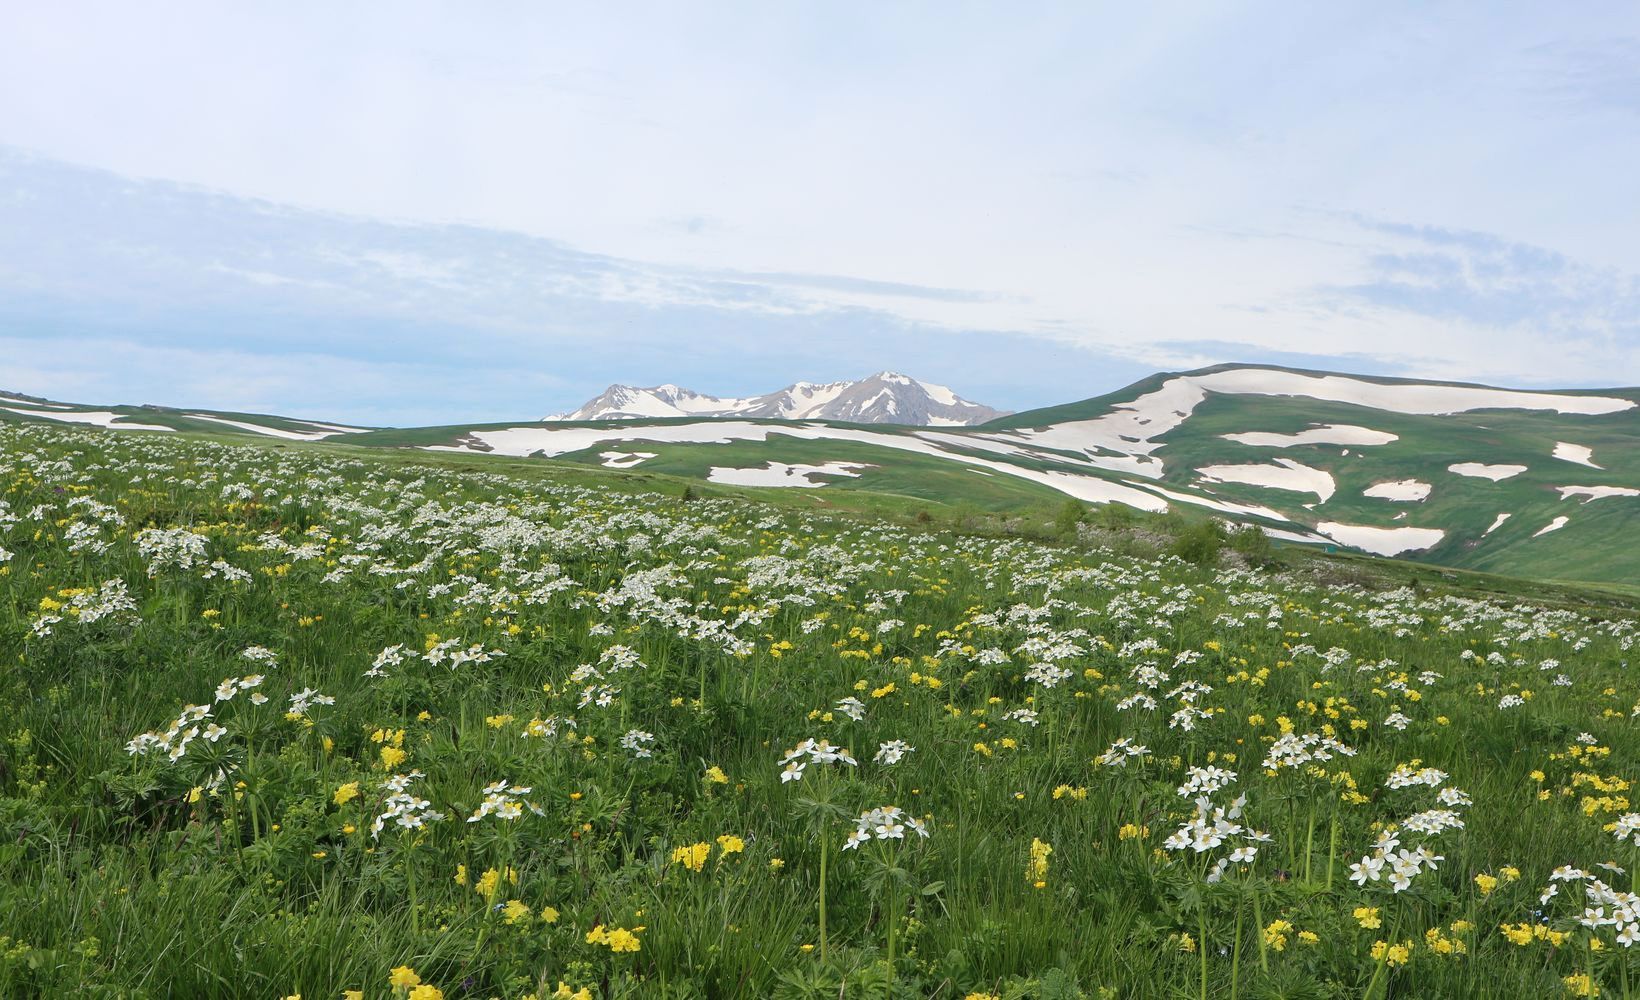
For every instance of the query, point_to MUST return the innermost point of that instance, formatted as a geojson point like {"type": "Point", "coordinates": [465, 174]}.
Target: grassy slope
{"type": "Point", "coordinates": [1463, 507]}
{"type": "Point", "coordinates": [1016, 514]}
{"type": "Point", "coordinates": [94, 899]}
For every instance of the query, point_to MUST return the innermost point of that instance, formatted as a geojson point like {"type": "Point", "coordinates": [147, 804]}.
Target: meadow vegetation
{"type": "Point", "coordinates": [281, 721]}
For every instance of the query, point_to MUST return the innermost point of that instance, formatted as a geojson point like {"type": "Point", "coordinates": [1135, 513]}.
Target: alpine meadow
{"type": "Point", "coordinates": [442, 725]}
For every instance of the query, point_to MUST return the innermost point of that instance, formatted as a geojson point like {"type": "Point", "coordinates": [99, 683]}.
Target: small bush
{"type": "Point", "coordinates": [1200, 543]}
{"type": "Point", "coordinates": [1254, 545]}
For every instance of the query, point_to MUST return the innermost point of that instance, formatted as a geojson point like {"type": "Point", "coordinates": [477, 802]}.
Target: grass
{"type": "Point", "coordinates": [643, 664]}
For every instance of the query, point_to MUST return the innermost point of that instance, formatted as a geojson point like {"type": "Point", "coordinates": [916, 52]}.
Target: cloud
{"type": "Point", "coordinates": [1513, 292]}
{"type": "Point", "coordinates": [1596, 74]}
{"type": "Point", "coordinates": [115, 290]}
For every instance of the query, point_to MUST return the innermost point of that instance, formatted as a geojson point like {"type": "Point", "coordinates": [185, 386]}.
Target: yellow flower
{"type": "Point", "coordinates": [346, 793]}
{"type": "Point", "coordinates": [1486, 883]}
{"type": "Point", "coordinates": [549, 914]}
{"type": "Point", "coordinates": [426, 993]}
{"type": "Point", "coordinates": [775, 864]}
{"type": "Point", "coordinates": [403, 977]}
{"type": "Point", "coordinates": [392, 757]}
{"type": "Point", "coordinates": [692, 856]}
{"type": "Point", "coordinates": [618, 940]}
{"type": "Point", "coordinates": [487, 883]}
{"type": "Point", "coordinates": [461, 875]}
{"type": "Point", "coordinates": [621, 939]}
{"type": "Point", "coordinates": [514, 911]}
{"type": "Point", "coordinates": [1036, 870]}
{"type": "Point", "coordinates": [715, 776]}
{"type": "Point", "coordinates": [1367, 917]}
{"type": "Point", "coordinates": [1275, 935]}
{"type": "Point", "coordinates": [1520, 934]}
{"type": "Point", "coordinates": [1578, 984]}
{"type": "Point", "coordinates": [731, 844]}
{"type": "Point", "coordinates": [353, 995]}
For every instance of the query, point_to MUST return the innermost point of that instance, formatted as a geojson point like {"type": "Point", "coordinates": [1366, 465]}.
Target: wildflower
{"type": "Point", "coordinates": [617, 940]}
{"type": "Point", "coordinates": [514, 911]}
{"type": "Point", "coordinates": [504, 801]}
{"type": "Point", "coordinates": [812, 752]}
{"type": "Point", "coordinates": [892, 752]}
{"type": "Point", "coordinates": [404, 809]}
{"type": "Point", "coordinates": [730, 844]}
{"type": "Point", "coordinates": [403, 977]}
{"type": "Point", "coordinates": [426, 992]}
{"type": "Point", "coordinates": [1036, 870]}
{"type": "Point", "coordinates": [1275, 935]}
{"type": "Point", "coordinates": [638, 743]}
{"type": "Point", "coordinates": [692, 856]}
{"type": "Point", "coordinates": [1486, 883]}
{"type": "Point", "coordinates": [1367, 917]}
{"type": "Point", "coordinates": [346, 793]}
{"type": "Point", "coordinates": [715, 776]}
{"type": "Point", "coordinates": [884, 823]}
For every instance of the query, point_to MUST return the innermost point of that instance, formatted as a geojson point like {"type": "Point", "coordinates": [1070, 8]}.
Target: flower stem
{"type": "Point", "coordinates": [824, 847]}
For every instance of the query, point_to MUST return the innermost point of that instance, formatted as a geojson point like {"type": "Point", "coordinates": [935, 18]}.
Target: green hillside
{"type": "Point", "coordinates": [1229, 441]}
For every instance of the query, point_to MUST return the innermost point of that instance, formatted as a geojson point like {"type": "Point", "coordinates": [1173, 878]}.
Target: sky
{"type": "Point", "coordinates": [415, 213]}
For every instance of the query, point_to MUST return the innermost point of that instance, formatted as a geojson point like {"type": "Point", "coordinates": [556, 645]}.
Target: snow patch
{"type": "Point", "coordinates": [1401, 490]}
{"type": "Point", "coordinates": [781, 474]}
{"type": "Point", "coordinates": [624, 459]}
{"type": "Point", "coordinates": [1285, 474]}
{"type": "Point", "coordinates": [97, 418]}
{"type": "Point", "coordinates": [1555, 525]}
{"type": "Point", "coordinates": [1496, 523]}
{"type": "Point", "coordinates": [1575, 453]}
{"type": "Point", "coordinates": [938, 393]}
{"type": "Point", "coordinates": [1381, 541]}
{"type": "Point", "coordinates": [1596, 492]}
{"type": "Point", "coordinates": [277, 432]}
{"type": "Point", "coordinates": [1321, 434]}
{"type": "Point", "coordinates": [1478, 470]}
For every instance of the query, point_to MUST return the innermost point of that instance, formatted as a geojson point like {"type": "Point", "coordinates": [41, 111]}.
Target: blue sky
{"type": "Point", "coordinates": [415, 213]}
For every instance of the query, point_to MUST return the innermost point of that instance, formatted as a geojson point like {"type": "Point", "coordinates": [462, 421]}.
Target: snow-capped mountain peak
{"type": "Point", "coordinates": [884, 398]}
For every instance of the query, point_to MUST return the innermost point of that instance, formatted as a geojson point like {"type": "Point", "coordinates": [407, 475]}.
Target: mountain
{"type": "Point", "coordinates": [1531, 483]}
{"type": "Point", "coordinates": [883, 398]}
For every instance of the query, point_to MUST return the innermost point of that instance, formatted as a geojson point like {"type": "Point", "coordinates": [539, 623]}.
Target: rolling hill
{"type": "Point", "coordinates": [1534, 483]}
